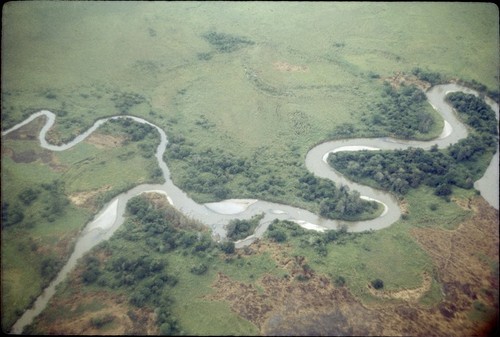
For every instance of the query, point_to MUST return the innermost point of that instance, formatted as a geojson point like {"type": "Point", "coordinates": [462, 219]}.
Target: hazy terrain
{"type": "Point", "coordinates": [243, 91]}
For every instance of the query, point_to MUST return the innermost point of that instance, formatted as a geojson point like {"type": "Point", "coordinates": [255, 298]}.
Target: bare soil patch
{"type": "Point", "coordinates": [29, 131]}
{"type": "Point", "coordinates": [400, 79]}
{"type": "Point", "coordinates": [287, 67]}
{"type": "Point", "coordinates": [121, 318]}
{"type": "Point", "coordinates": [87, 199]}
{"type": "Point", "coordinates": [288, 306]}
{"type": "Point", "coordinates": [103, 141]}
{"type": "Point", "coordinates": [40, 155]}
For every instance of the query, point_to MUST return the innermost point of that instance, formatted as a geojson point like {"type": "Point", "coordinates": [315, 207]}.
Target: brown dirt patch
{"type": "Point", "coordinates": [123, 319]}
{"type": "Point", "coordinates": [288, 306]}
{"type": "Point", "coordinates": [39, 155]}
{"type": "Point", "coordinates": [102, 141]}
{"type": "Point", "coordinates": [287, 67]}
{"type": "Point", "coordinates": [29, 131]}
{"type": "Point", "coordinates": [8, 152]}
{"type": "Point", "coordinates": [404, 79]}
{"type": "Point", "coordinates": [63, 247]}
{"type": "Point", "coordinates": [464, 257]}
{"type": "Point", "coordinates": [403, 206]}
{"type": "Point", "coordinates": [87, 199]}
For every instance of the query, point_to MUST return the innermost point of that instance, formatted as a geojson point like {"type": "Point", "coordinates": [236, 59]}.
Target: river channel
{"type": "Point", "coordinates": [217, 215]}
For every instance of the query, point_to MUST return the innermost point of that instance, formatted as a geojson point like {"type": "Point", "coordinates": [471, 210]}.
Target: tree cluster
{"type": "Point", "coordinates": [475, 112]}
{"type": "Point", "coordinates": [428, 76]}
{"type": "Point", "coordinates": [56, 201]}
{"type": "Point", "coordinates": [135, 131]}
{"type": "Point", "coordinates": [377, 283]}
{"type": "Point", "coordinates": [238, 229]}
{"type": "Point", "coordinates": [398, 171]}
{"type": "Point", "coordinates": [283, 230]}
{"type": "Point", "coordinates": [226, 43]}
{"type": "Point", "coordinates": [334, 203]}
{"type": "Point", "coordinates": [276, 233]}
{"type": "Point", "coordinates": [402, 112]}
{"type": "Point", "coordinates": [11, 215]}
{"type": "Point", "coordinates": [211, 170]}
{"type": "Point", "coordinates": [53, 199]}
{"type": "Point", "coordinates": [145, 276]}
{"type": "Point", "coordinates": [49, 268]}
{"type": "Point", "coordinates": [124, 101]}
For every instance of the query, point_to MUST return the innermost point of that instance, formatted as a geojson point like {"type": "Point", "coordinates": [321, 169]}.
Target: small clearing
{"type": "Point", "coordinates": [103, 141]}
{"type": "Point", "coordinates": [287, 67]}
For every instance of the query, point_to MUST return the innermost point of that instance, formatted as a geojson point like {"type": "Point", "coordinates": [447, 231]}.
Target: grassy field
{"type": "Point", "coordinates": [365, 258]}
{"type": "Point", "coordinates": [44, 239]}
{"type": "Point", "coordinates": [26, 245]}
{"type": "Point", "coordinates": [311, 69]}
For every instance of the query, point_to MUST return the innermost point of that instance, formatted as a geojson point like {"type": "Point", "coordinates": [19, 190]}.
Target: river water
{"type": "Point", "coordinates": [217, 215]}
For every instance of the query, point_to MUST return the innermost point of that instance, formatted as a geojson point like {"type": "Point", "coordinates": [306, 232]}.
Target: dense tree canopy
{"type": "Point", "coordinates": [398, 171]}
{"type": "Point", "coordinates": [212, 170]}
{"type": "Point", "coordinates": [402, 112]}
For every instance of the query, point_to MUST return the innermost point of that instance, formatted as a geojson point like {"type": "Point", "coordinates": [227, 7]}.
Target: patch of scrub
{"type": "Point", "coordinates": [162, 193]}
{"type": "Point", "coordinates": [86, 197]}
{"type": "Point", "coordinates": [102, 141]}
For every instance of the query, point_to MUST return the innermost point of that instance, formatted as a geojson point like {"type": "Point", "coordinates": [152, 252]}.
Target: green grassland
{"type": "Point", "coordinates": [26, 246]}
{"type": "Point", "coordinates": [196, 315]}
{"type": "Point", "coordinates": [362, 258]}
{"type": "Point", "coordinates": [35, 248]}
{"type": "Point", "coordinates": [85, 61]}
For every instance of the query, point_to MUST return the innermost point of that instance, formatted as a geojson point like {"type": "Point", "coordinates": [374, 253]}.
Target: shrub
{"type": "Point", "coordinates": [339, 281]}
{"type": "Point", "coordinates": [227, 247]}
{"type": "Point", "coordinates": [100, 321]}
{"type": "Point", "coordinates": [199, 269]}
{"type": "Point", "coordinates": [277, 235]}
{"type": "Point", "coordinates": [377, 283]}
{"type": "Point", "coordinates": [226, 43]}
{"type": "Point", "coordinates": [28, 195]}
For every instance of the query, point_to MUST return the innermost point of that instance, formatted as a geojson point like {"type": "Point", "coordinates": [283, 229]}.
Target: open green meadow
{"type": "Point", "coordinates": [363, 258]}
{"type": "Point", "coordinates": [253, 83]}
{"type": "Point", "coordinates": [38, 233]}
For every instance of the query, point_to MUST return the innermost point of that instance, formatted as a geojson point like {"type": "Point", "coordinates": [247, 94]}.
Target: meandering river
{"type": "Point", "coordinates": [217, 215]}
